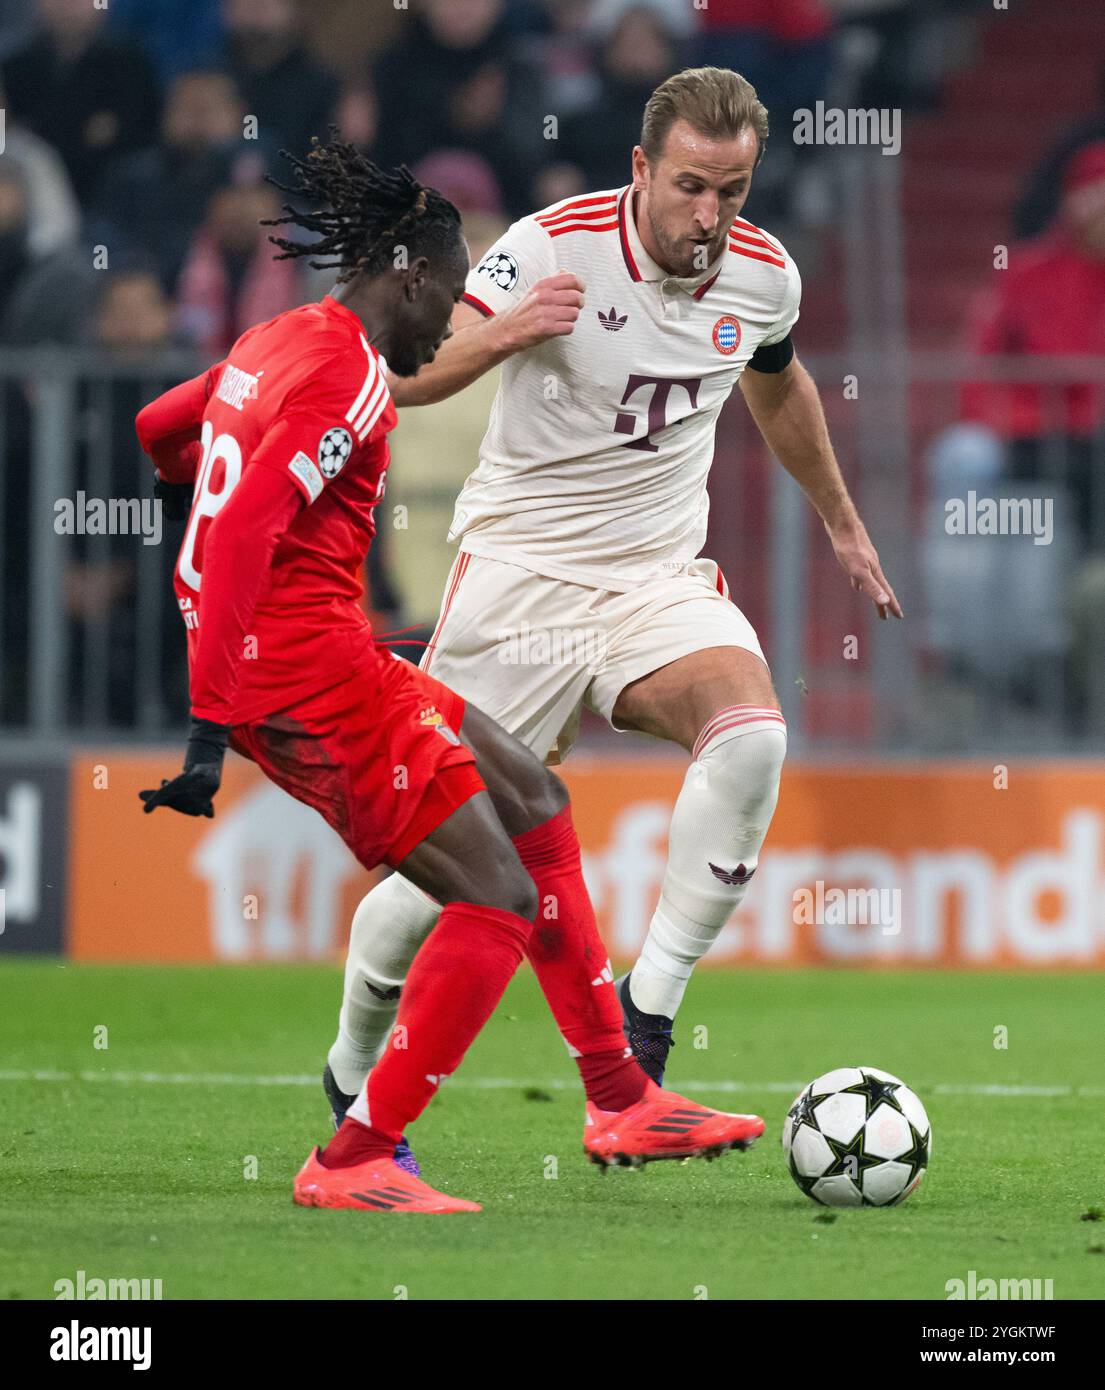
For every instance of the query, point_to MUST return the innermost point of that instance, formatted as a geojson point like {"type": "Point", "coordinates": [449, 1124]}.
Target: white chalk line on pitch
{"type": "Point", "coordinates": [505, 1083]}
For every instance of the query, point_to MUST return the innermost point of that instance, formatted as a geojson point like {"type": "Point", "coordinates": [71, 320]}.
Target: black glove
{"type": "Point", "coordinates": [175, 498]}
{"type": "Point", "coordinates": [191, 792]}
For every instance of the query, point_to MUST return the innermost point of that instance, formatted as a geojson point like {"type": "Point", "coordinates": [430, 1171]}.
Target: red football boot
{"type": "Point", "coordinates": [663, 1124]}
{"type": "Point", "coordinates": [378, 1185]}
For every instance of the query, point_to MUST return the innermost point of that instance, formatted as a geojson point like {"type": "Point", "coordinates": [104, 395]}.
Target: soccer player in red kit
{"type": "Point", "coordinates": [283, 447]}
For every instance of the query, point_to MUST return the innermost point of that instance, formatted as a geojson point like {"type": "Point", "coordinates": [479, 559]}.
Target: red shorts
{"type": "Point", "coordinates": [377, 756]}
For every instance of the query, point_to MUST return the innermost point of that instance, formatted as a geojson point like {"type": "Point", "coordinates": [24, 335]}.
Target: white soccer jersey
{"type": "Point", "coordinates": [595, 461]}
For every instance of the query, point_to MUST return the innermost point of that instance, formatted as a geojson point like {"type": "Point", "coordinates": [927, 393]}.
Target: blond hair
{"type": "Point", "coordinates": [714, 101]}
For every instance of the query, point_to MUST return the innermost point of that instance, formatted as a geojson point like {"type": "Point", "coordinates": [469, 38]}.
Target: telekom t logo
{"type": "Point", "coordinates": [626, 423]}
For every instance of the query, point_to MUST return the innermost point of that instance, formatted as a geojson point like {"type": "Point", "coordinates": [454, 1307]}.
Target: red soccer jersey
{"type": "Point", "coordinates": [292, 460]}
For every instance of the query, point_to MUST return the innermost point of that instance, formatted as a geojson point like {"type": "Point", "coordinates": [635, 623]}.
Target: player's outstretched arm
{"type": "Point", "coordinates": [548, 310]}
{"type": "Point", "coordinates": [787, 410]}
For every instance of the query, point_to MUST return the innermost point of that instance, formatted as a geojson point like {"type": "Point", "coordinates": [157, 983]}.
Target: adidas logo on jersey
{"type": "Point", "coordinates": [611, 322]}
{"type": "Point", "coordinates": [237, 387]}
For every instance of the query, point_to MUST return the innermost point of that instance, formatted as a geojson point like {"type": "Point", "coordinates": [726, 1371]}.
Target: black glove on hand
{"type": "Point", "coordinates": [175, 498]}
{"type": "Point", "coordinates": [191, 792]}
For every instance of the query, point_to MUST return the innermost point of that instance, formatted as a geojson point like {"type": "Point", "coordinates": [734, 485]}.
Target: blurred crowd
{"type": "Point", "coordinates": [1035, 430]}
{"type": "Point", "coordinates": [139, 133]}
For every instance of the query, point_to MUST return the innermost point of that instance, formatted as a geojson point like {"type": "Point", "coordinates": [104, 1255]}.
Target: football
{"type": "Point", "coordinates": [857, 1137]}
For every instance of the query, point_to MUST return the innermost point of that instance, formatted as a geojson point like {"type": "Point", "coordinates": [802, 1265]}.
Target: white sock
{"type": "Point", "coordinates": [720, 820]}
{"type": "Point", "coordinates": [389, 926]}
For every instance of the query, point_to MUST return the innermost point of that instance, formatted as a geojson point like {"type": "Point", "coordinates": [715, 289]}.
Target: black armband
{"type": "Point", "coordinates": [772, 357]}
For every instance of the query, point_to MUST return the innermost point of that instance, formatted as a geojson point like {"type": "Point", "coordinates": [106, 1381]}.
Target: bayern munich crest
{"type": "Point", "coordinates": [334, 449]}
{"type": "Point", "coordinates": [727, 335]}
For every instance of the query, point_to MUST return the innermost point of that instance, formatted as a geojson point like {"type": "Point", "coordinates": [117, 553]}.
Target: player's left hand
{"type": "Point", "coordinates": [192, 791]}
{"type": "Point", "coordinates": [860, 562]}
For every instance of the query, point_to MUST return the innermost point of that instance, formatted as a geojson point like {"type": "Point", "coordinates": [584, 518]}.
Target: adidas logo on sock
{"type": "Point", "coordinates": [733, 877]}
{"type": "Point", "coordinates": [386, 994]}
{"type": "Point", "coordinates": [606, 977]}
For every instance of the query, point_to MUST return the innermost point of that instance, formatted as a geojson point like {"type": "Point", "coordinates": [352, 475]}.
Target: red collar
{"type": "Point", "coordinates": [335, 306]}
{"type": "Point", "coordinates": [640, 264]}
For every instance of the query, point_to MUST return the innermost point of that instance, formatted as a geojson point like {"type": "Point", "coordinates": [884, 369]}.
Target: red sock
{"type": "Point", "coordinates": [457, 978]}
{"type": "Point", "coordinates": [572, 967]}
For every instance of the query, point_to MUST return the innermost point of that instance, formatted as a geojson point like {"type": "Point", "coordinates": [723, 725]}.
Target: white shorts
{"type": "Point", "coordinates": [530, 651]}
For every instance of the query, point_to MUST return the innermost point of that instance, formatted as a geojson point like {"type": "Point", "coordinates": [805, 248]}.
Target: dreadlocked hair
{"type": "Point", "coordinates": [366, 215]}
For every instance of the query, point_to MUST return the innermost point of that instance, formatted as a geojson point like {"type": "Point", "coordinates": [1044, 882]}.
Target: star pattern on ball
{"type": "Point", "coordinates": [917, 1156]}
{"type": "Point", "coordinates": [875, 1092]}
{"type": "Point", "coordinates": [801, 1112]}
{"type": "Point", "coordinates": [858, 1152]}
{"type": "Point", "coordinates": [850, 1160]}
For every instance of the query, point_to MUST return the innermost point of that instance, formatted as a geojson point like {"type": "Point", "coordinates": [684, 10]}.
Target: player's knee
{"type": "Point", "coordinates": [535, 794]}
{"type": "Point", "coordinates": [765, 754]}
{"type": "Point", "coordinates": [550, 798]}
{"type": "Point", "coordinates": [516, 893]}
{"type": "Point", "coordinates": [748, 768]}
{"type": "Point", "coordinates": [500, 884]}
{"type": "Point", "coordinates": [541, 793]}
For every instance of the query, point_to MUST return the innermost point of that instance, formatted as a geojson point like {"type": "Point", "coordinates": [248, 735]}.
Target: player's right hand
{"type": "Point", "coordinates": [175, 498]}
{"type": "Point", "coordinates": [549, 310]}
{"type": "Point", "coordinates": [190, 793]}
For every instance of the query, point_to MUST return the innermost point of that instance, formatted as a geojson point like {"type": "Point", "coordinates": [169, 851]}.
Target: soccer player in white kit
{"type": "Point", "coordinates": [623, 320]}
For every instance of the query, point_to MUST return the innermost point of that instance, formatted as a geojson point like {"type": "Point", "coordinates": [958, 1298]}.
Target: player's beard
{"type": "Point", "coordinates": [680, 253]}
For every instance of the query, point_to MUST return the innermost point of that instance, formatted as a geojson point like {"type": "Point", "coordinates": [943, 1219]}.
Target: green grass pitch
{"type": "Point", "coordinates": [132, 1161]}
